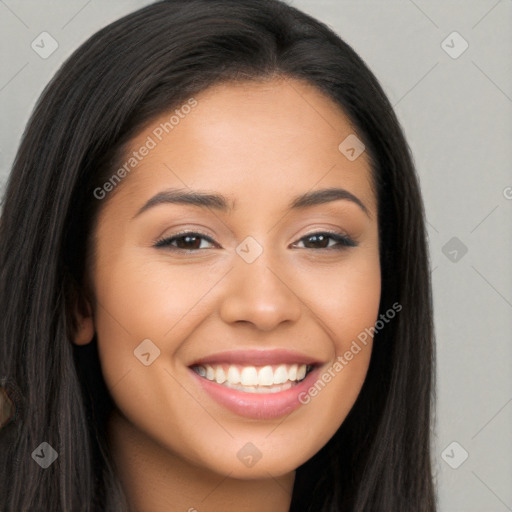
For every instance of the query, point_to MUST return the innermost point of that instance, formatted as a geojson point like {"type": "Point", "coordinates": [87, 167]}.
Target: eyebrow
{"type": "Point", "coordinates": [221, 203]}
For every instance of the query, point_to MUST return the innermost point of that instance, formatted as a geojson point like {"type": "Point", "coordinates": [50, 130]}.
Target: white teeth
{"type": "Point", "coordinates": [220, 376]}
{"type": "Point", "coordinates": [251, 377]}
{"type": "Point", "coordinates": [266, 376]}
{"type": "Point", "coordinates": [280, 375]}
{"type": "Point", "coordinates": [233, 375]}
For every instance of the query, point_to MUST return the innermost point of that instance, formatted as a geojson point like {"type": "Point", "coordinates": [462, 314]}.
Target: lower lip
{"type": "Point", "coordinates": [260, 406]}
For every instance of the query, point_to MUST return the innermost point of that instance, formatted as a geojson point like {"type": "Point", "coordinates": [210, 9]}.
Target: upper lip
{"type": "Point", "coordinates": [257, 357]}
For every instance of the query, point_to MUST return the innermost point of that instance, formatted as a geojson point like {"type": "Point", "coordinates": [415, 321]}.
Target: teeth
{"type": "Point", "coordinates": [250, 377]}
{"type": "Point", "coordinates": [280, 375]}
{"type": "Point", "coordinates": [220, 376]}
{"type": "Point", "coordinates": [210, 374]}
{"type": "Point", "coordinates": [301, 372]}
{"type": "Point", "coordinates": [266, 376]}
{"type": "Point", "coordinates": [233, 375]}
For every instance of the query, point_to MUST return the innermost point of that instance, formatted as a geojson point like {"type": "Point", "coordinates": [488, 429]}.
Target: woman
{"type": "Point", "coordinates": [261, 369]}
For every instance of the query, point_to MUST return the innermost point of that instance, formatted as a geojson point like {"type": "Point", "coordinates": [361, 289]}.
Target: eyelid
{"type": "Point", "coordinates": [318, 231]}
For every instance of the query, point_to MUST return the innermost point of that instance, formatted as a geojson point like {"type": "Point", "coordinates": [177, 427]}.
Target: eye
{"type": "Point", "coordinates": [187, 241]}
{"type": "Point", "coordinates": [321, 241]}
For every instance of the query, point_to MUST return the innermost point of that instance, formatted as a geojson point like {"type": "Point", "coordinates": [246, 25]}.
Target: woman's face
{"type": "Point", "coordinates": [272, 279]}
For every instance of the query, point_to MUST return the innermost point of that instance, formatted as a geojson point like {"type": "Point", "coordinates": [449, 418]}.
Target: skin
{"type": "Point", "coordinates": [260, 144]}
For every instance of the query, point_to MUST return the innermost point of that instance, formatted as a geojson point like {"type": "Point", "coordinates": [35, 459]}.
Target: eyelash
{"type": "Point", "coordinates": [343, 241]}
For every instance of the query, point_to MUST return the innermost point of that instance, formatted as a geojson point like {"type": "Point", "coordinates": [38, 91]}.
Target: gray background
{"type": "Point", "coordinates": [457, 116]}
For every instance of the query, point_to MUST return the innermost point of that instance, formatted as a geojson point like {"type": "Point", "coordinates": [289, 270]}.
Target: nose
{"type": "Point", "coordinates": [260, 293]}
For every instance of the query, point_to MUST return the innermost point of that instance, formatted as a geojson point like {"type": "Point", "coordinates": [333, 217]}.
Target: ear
{"type": "Point", "coordinates": [84, 322]}
{"type": "Point", "coordinates": [81, 315]}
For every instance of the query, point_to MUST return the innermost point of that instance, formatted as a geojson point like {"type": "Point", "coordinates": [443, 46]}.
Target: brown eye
{"type": "Point", "coordinates": [322, 240]}
{"type": "Point", "coordinates": [189, 241]}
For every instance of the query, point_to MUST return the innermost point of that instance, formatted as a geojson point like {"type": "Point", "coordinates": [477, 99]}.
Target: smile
{"type": "Point", "coordinates": [254, 379]}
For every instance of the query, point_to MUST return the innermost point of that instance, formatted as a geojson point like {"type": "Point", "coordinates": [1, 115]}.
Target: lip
{"type": "Point", "coordinates": [257, 358]}
{"type": "Point", "coordinates": [259, 406]}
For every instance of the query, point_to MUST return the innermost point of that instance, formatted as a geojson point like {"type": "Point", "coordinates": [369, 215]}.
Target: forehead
{"type": "Point", "coordinates": [253, 141]}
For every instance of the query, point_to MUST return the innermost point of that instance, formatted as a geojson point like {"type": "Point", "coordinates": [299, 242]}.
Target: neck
{"type": "Point", "coordinates": [155, 479]}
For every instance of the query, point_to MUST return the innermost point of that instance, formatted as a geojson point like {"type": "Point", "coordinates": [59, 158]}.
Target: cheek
{"type": "Point", "coordinates": [147, 299]}
{"type": "Point", "coordinates": [346, 296]}
{"type": "Point", "coordinates": [346, 301]}
{"type": "Point", "coordinates": [150, 308]}
{"type": "Point", "coordinates": [140, 300]}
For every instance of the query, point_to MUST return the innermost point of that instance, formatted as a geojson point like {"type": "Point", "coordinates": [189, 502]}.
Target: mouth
{"type": "Point", "coordinates": [255, 379]}
{"type": "Point", "coordinates": [257, 384]}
